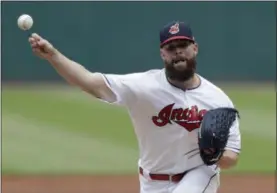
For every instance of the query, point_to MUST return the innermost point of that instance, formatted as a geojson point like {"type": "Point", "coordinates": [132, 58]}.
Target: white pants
{"type": "Point", "coordinates": [200, 180]}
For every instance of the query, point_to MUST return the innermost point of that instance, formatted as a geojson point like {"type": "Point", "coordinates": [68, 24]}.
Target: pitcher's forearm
{"type": "Point", "coordinates": [71, 71]}
{"type": "Point", "coordinates": [228, 160]}
{"type": "Point", "coordinates": [79, 76]}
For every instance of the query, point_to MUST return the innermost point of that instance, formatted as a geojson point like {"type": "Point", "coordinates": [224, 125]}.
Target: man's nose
{"type": "Point", "coordinates": [178, 51]}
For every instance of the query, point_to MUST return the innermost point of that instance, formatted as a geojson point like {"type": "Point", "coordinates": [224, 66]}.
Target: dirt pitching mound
{"type": "Point", "coordinates": [122, 184]}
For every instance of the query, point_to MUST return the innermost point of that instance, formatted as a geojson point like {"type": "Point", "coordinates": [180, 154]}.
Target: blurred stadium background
{"type": "Point", "coordinates": [53, 133]}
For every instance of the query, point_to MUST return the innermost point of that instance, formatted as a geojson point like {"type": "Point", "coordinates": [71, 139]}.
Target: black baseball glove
{"type": "Point", "coordinates": [214, 133]}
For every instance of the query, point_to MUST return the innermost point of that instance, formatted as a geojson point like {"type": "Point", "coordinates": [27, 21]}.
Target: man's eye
{"type": "Point", "coordinates": [171, 47]}
{"type": "Point", "coordinates": [183, 45]}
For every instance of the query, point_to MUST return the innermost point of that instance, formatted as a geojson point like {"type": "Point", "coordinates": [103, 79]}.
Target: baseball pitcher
{"type": "Point", "coordinates": [187, 128]}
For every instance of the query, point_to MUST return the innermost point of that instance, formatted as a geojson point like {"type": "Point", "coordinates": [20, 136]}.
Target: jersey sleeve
{"type": "Point", "coordinates": [234, 140]}
{"type": "Point", "coordinates": [124, 87]}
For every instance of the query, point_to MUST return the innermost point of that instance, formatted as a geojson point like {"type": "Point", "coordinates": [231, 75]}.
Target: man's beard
{"type": "Point", "coordinates": [180, 74]}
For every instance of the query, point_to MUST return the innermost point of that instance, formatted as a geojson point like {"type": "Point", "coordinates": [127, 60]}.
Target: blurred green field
{"type": "Point", "coordinates": [63, 130]}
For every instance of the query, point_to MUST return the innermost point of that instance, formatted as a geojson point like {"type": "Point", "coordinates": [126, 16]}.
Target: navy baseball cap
{"type": "Point", "coordinates": [175, 30]}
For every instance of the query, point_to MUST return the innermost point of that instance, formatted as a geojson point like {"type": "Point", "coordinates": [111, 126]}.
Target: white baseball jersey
{"type": "Point", "coordinates": [166, 118]}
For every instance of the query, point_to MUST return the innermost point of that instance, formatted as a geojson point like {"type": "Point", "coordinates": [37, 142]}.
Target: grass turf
{"type": "Point", "coordinates": [66, 131]}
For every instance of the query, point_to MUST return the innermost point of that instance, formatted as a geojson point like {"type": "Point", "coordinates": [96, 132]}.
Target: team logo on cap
{"type": "Point", "coordinates": [174, 29]}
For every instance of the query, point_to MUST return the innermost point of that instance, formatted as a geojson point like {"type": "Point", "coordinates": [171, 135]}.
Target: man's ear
{"type": "Point", "coordinates": [162, 53]}
{"type": "Point", "coordinates": [195, 48]}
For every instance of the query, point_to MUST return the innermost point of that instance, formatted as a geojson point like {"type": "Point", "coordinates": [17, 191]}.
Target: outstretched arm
{"type": "Point", "coordinates": [71, 71]}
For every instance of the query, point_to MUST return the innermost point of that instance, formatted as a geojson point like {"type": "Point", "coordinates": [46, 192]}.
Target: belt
{"type": "Point", "coordinates": [165, 177]}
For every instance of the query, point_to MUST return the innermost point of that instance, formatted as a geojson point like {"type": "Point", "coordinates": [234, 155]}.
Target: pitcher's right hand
{"type": "Point", "coordinates": [41, 47]}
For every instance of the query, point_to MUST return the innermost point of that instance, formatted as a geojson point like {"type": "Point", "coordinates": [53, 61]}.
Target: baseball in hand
{"type": "Point", "coordinates": [25, 22]}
